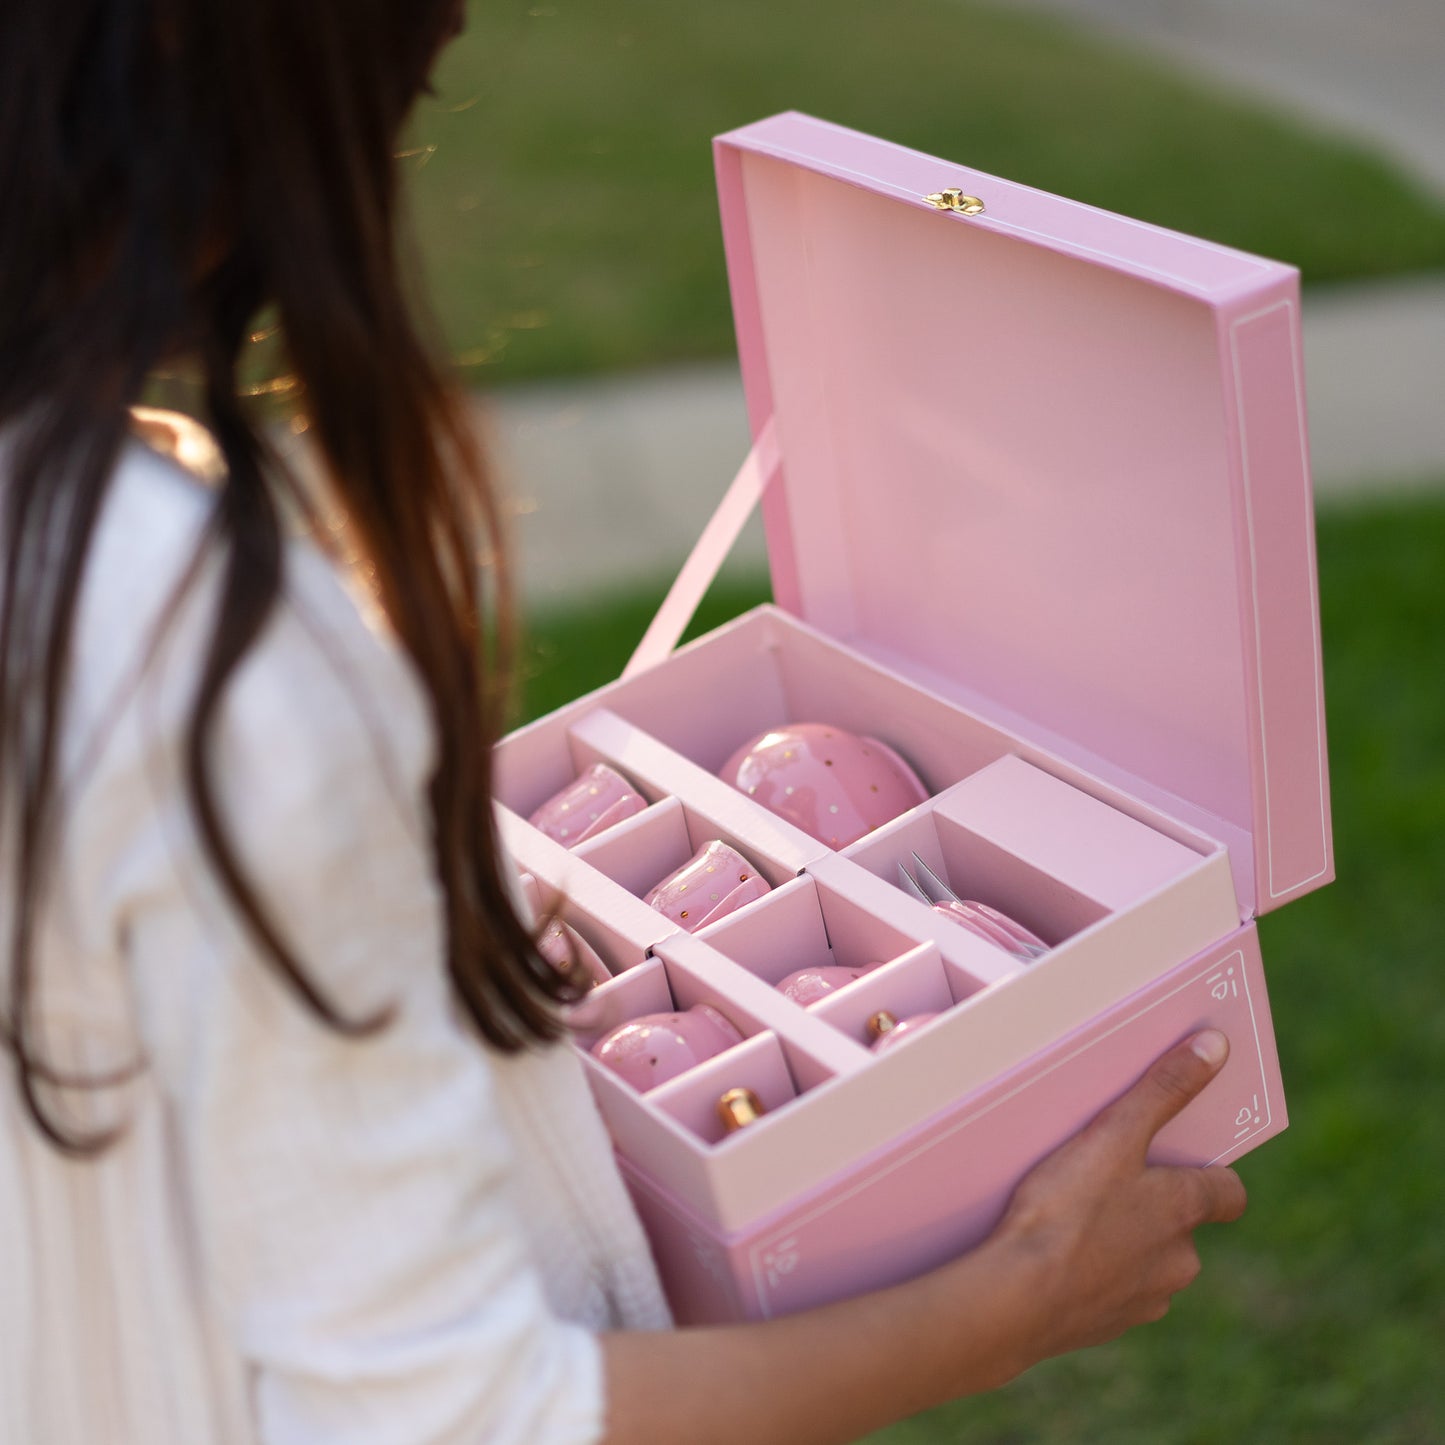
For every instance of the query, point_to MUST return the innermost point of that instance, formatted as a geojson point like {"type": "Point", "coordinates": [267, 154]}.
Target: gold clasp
{"type": "Point", "coordinates": [954, 199]}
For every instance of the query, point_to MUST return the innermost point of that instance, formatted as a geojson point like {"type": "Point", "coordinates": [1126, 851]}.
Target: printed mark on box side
{"type": "Point", "coordinates": [1223, 984]}
{"type": "Point", "coordinates": [781, 1260]}
{"type": "Point", "coordinates": [1248, 1118]}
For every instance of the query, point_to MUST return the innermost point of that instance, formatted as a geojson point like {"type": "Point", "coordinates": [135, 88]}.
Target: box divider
{"type": "Point", "coordinates": [693, 962]}
{"type": "Point", "coordinates": [585, 887]}
{"type": "Point", "coordinates": [641, 755]}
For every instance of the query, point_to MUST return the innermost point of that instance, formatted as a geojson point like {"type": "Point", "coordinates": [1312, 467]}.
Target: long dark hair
{"type": "Point", "coordinates": [167, 169]}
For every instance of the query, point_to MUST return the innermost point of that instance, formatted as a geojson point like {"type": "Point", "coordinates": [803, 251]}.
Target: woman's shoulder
{"type": "Point", "coordinates": [323, 722]}
{"type": "Point", "coordinates": [323, 660]}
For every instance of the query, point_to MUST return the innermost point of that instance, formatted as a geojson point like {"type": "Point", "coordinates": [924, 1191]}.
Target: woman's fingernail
{"type": "Point", "coordinates": [1211, 1046]}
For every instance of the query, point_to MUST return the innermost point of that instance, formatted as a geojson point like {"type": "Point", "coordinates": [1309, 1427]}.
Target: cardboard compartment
{"type": "Point", "coordinates": [918, 983]}
{"type": "Point", "coordinates": [1045, 904]}
{"type": "Point", "coordinates": [761, 1065]}
{"type": "Point", "coordinates": [612, 946]}
{"type": "Point", "coordinates": [625, 924]}
{"type": "Point", "coordinates": [1012, 815]}
{"type": "Point", "coordinates": [640, 852]}
{"type": "Point", "coordinates": [1055, 859]}
{"type": "Point", "coordinates": [655, 988]}
{"type": "Point", "coordinates": [767, 669]}
{"type": "Point", "coordinates": [640, 990]}
{"type": "Point", "coordinates": [810, 923]}
{"type": "Point", "coordinates": [535, 763]}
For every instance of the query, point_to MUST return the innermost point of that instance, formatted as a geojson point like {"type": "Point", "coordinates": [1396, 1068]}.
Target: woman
{"type": "Point", "coordinates": [292, 1151]}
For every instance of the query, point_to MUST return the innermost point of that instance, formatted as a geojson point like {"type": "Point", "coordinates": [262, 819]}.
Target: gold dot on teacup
{"type": "Point", "coordinates": [882, 1023]}
{"type": "Point", "coordinates": [683, 914]}
{"type": "Point", "coordinates": [742, 877]}
{"type": "Point", "coordinates": [872, 787]}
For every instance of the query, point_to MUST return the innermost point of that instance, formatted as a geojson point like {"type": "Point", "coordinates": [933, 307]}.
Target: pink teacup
{"type": "Point", "coordinates": [650, 1050]}
{"type": "Point", "coordinates": [806, 986]}
{"type": "Point", "coordinates": [834, 785]}
{"type": "Point", "coordinates": [597, 800]}
{"type": "Point", "coordinates": [716, 881]}
{"type": "Point", "coordinates": [563, 947]}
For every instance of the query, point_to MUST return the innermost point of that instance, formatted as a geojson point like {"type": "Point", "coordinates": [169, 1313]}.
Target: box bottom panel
{"type": "Point", "coordinates": [941, 1189]}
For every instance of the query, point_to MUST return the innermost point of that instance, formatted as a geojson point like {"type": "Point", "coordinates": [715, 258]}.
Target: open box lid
{"type": "Point", "coordinates": [1049, 461]}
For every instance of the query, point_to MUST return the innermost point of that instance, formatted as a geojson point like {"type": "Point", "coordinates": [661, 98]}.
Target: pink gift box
{"type": "Point", "coordinates": [1039, 517]}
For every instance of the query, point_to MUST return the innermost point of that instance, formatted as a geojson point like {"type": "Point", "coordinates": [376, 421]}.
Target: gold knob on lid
{"type": "Point", "coordinates": [739, 1107]}
{"type": "Point", "coordinates": [953, 199]}
{"type": "Point", "coordinates": [881, 1023]}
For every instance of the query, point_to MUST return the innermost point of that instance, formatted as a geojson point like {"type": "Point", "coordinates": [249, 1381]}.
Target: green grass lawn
{"type": "Point", "coordinates": [1320, 1318]}
{"type": "Point", "coordinates": [567, 210]}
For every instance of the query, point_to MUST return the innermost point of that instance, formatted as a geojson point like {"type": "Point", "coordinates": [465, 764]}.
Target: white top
{"type": "Point", "coordinates": [300, 1238]}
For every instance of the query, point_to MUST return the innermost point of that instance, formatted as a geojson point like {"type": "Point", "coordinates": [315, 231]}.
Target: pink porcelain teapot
{"type": "Point", "coordinates": [834, 785]}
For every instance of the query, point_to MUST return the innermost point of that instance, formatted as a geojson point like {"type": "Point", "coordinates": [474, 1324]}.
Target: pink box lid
{"type": "Point", "coordinates": [1051, 462]}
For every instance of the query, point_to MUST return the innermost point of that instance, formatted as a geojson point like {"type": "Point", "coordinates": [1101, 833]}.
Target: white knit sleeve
{"type": "Point", "coordinates": [352, 1198]}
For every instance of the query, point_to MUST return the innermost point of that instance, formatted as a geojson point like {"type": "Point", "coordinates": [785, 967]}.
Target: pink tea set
{"type": "Point", "coordinates": [888, 886]}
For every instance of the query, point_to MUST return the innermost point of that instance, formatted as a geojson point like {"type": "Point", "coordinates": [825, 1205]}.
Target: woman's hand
{"type": "Point", "coordinates": [1107, 1236]}
{"type": "Point", "coordinates": [1095, 1240]}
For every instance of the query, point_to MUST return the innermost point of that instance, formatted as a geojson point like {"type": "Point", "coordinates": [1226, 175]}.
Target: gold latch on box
{"type": "Point", "coordinates": [954, 199]}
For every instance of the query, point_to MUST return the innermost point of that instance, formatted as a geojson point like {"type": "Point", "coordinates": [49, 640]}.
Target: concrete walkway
{"type": "Point", "coordinates": [1371, 70]}
{"type": "Point", "coordinates": [613, 479]}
